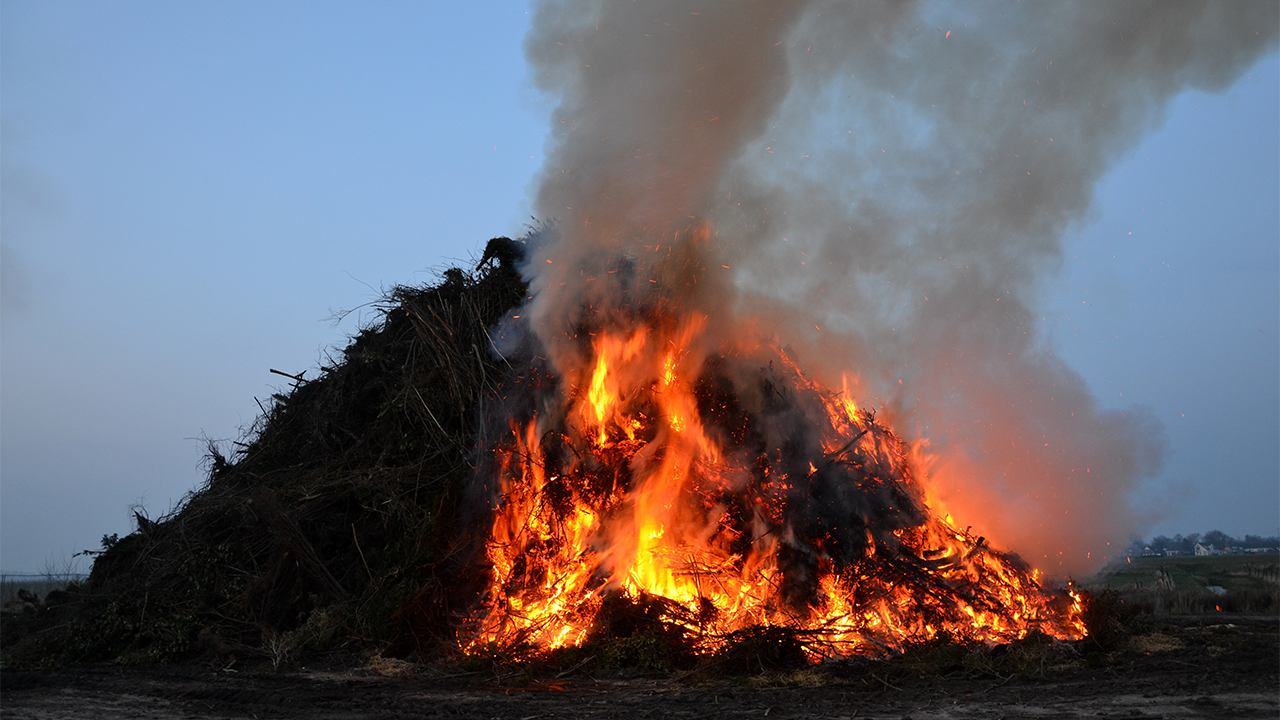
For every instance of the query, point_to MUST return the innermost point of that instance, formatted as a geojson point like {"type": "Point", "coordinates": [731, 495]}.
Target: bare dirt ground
{"type": "Point", "coordinates": [1213, 667]}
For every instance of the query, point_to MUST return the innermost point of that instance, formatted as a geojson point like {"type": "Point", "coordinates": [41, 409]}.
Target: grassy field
{"type": "Point", "coordinates": [40, 585]}
{"type": "Point", "coordinates": [1233, 572]}
{"type": "Point", "coordinates": [1180, 585]}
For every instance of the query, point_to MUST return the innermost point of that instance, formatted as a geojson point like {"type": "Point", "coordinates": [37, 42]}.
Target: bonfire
{"type": "Point", "coordinates": [594, 435]}
{"type": "Point", "coordinates": [723, 490]}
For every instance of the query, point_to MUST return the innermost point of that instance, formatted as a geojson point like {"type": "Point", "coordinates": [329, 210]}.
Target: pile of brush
{"type": "Point", "coordinates": [331, 527]}
{"type": "Point", "coordinates": [339, 528]}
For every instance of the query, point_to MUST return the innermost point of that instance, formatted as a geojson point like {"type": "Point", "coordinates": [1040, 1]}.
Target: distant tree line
{"type": "Point", "coordinates": [1186, 544]}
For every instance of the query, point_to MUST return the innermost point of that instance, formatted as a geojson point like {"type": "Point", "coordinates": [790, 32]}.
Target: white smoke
{"type": "Point", "coordinates": [887, 184]}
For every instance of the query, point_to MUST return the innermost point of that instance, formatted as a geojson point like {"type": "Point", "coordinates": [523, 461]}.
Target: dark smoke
{"type": "Point", "coordinates": [888, 185]}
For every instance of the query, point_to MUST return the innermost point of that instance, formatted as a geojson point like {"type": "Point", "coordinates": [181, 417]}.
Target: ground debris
{"type": "Point", "coordinates": [1240, 682]}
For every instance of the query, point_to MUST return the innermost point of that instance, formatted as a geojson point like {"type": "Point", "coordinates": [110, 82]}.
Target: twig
{"type": "Point", "coordinates": [885, 680]}
{"type": "Point", "coordinates": [834, 457]}
{"type": "Point", "coordinates": [440, 320]}
{"type": "Point", "coordinates": [366, 562]}
{"type": "Point", "coordinates": [295, 378]}
{"type": "Point", "coordinates": [432, 415]}
{"type": "Point", "coordinates": [575, 667]}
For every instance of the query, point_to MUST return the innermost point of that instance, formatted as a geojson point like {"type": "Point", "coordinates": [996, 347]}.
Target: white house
{"type": "Point", "coordinates": [1205, 550]}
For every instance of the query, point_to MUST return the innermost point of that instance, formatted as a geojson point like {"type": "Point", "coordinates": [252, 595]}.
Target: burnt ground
{"type": "Point", "coordinates": [1205, 667]}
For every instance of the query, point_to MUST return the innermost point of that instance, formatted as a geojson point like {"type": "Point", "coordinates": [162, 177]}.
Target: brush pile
{"type": "Point", "coordinates": [349, 522]}
{"type": "Point", "coordinates": [332, 527]}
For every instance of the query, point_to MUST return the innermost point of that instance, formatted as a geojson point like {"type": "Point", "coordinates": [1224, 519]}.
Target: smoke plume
{"type": "Point", "coordinates": [880, 187]}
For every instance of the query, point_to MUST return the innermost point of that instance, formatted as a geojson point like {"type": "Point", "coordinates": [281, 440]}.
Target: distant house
{"type": "Point", "coordinates": [1172, 553]}
{"type": "Point", "coordinates": [1205, 549]}
{"type": "Point", "coordinates": [1148, 552]}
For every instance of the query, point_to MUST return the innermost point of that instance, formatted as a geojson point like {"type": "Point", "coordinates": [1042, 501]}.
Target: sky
{"type": "Point", "coordinates": [192, 192]}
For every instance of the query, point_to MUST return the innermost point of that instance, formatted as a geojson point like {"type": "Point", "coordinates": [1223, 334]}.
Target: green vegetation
{"type": "Point", "coordinates": [13, 588]}
{"type": "Point", "coordinates": [1232, 572]}
{"type": "Point", "coordinates": [1180, 585]}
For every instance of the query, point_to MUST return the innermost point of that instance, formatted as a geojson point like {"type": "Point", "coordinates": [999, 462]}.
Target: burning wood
{"type": "Point", "coordinates": [732, 490]}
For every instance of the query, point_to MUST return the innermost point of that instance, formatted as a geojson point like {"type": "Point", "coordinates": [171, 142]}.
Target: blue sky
{"type": "Point", "coordinates": [1170, 299]}
{"type": "Point", "coordinates": [190, 191]}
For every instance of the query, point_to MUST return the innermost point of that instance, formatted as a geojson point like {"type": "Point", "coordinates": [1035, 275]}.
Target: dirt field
{"type": "Point", "coordinates": [1208, 667]}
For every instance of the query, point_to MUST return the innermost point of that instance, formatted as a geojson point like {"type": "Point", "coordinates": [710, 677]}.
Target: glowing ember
{"type": "Point", "coordinates": [735, 489]}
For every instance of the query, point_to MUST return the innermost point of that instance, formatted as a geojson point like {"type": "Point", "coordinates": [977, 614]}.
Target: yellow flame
{"type": "Point", "coordinates": [551, 566]}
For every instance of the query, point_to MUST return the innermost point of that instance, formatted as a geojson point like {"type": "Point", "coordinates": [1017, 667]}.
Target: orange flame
{"type": "Point", "coordinates": [650, 483]}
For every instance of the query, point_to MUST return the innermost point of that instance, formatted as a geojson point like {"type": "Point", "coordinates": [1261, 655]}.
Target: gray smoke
{"type": "Point", "coordinates": [887, 184]}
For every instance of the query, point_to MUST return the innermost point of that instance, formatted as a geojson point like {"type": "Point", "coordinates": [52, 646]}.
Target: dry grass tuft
{"type": "Point", "coordinates": [1155, 642]}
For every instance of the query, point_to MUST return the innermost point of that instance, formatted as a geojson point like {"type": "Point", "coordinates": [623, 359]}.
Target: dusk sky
{"type": "Point", "coordinates": [191, 192]}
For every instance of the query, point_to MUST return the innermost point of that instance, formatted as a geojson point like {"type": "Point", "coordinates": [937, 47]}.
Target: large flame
{"type": "Point", "coordinates": [737, 490]}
